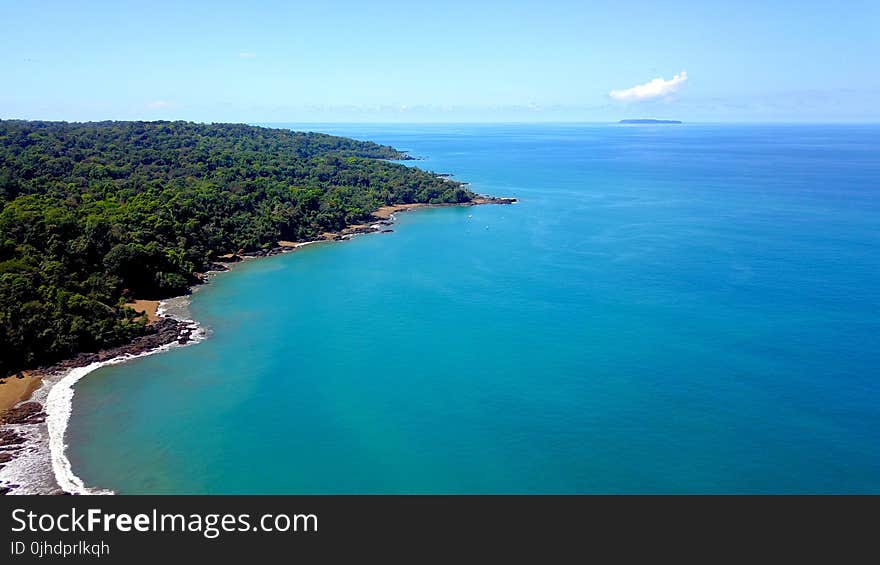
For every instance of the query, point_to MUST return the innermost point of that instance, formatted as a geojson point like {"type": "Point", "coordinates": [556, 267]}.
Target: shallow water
{"type": "Point", "coordinates": [668, 309]}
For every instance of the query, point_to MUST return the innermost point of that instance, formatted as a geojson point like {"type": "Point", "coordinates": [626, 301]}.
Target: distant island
{"type": "Point", "coordinates": [648, 121]}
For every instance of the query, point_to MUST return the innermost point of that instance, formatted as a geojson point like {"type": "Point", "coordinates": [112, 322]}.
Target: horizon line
{"type": "Point", "coordinates": [463, 122]}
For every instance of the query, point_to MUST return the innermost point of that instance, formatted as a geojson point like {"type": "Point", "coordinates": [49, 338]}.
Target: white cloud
{"type": "Point", "coordinates": [158, 104]}
{"type": "Point", "coordinates": [656, 88]}
{"type": "Point", "coordinates": [247, 55]}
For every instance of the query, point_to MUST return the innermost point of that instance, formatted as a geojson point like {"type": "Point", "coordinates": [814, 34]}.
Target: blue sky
{"type": "Point", "coordinates": [737, 61]}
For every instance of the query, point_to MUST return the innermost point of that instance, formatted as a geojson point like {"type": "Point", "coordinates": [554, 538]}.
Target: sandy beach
{"type": "Point", "coordinates": [146, 307]}
{"type": "Point", "coordinates": [14, 389]}
{"type": "Point", "coordinates": [383, 215]}
{"type": "Point", "coordinates": [385, 212]}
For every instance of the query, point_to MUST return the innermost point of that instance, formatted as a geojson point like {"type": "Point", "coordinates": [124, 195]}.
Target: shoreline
{"type": "Point", "coordinates": [34, 414]}
{"type": "Point", "coordinates": [32, 447]}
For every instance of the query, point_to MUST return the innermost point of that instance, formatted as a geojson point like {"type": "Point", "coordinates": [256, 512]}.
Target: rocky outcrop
{"type": "Point", "coordinates": [490, 200]}
{"type": "Point", "coordinates": [25, 413]}
{"type": "Point", "coordinates": [354, 230]}
{"type": "Point", "coordinates": [163, 331]}
{"type": "Point", "coordinates": [9, 438]}
{"type": "Point", "coordinates": [11, 443]}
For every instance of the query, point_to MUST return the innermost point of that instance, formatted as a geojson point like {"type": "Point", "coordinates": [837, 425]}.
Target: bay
{"type": "Point", "coordinates": [668, 309]}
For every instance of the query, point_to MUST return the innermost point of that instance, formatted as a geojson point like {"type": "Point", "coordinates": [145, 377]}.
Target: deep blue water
{"type": "Point", "coordinates": [669, 309]}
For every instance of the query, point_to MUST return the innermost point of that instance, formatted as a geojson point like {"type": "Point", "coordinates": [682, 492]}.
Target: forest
{"type": "Point", "coordinates": [96, 214]}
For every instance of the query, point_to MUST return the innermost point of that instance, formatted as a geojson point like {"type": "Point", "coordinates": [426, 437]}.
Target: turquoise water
{"type": "Point", "coordinates": [681, 309]}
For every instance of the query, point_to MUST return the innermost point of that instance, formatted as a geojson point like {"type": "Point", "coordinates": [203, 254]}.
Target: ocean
{"type": "Point", "coordinates": [668, 309]}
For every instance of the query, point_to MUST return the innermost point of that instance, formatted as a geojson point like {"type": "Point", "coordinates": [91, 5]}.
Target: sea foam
{"type": "Point", "coordinates": [42, 466]}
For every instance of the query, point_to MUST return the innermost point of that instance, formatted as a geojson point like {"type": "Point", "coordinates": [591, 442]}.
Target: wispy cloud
{"type": "Point", "coordinates": [657, 88]}
{"type": "Point", "coordinates": [158, 104]}
{"type": "Point", "coordinates": [247, 55]}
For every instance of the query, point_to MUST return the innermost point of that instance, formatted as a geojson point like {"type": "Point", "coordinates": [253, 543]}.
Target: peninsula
{"type": "Point", "coordinates": [97, 217]}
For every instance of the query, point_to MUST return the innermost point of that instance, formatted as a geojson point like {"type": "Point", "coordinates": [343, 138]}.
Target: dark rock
{"type": "Point", "coordinates": [25, 413]}
{"type": "Point", "coordinates": [358, 229]}
{"type": "Point", "coordinates": [493, 200]}
{"type": "Point", "coordinates": [9, 439]}
{"type": "Point", "coordinates": [387, 231]}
